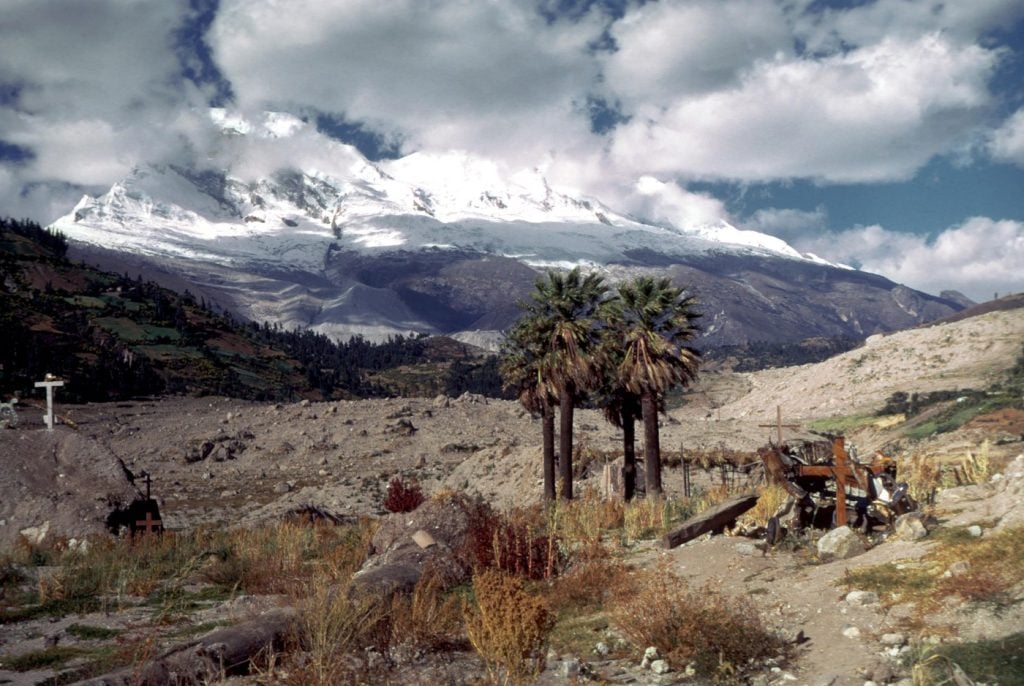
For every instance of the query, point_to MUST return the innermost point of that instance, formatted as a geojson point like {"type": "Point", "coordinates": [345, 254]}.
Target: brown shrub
{"type": "Point", "coordinates": [720, 634]}
{"type": "Point", "coordinates": [517, 543]}
{"type": "Point", "coordinates": [508, 627]}
{"type": "Point", "coordinates": [403, 497]}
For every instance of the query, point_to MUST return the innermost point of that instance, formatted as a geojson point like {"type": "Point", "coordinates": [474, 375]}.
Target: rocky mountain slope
{"type": "Point", "coordinates": [445, 244]}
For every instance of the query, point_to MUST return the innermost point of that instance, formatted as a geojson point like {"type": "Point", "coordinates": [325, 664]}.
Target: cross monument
{"type": "Point", "coordinates": [49, 383]}
{"type": "Point", "coordinates": [778, 425]}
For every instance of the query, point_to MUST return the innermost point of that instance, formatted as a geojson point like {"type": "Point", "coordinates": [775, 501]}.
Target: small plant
{"type": "Point", "coordinates": [508, 627]}
{"type": "Point", "coordinates": [87, 632]}
{"type": "Point", "coordinates": [403, 497]}
{"type": "Point", "coordinates": [719, 634]}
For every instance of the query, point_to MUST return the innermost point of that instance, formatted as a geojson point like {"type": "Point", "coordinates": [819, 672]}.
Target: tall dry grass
{"type": "Point", "coordinates": [508, 627]}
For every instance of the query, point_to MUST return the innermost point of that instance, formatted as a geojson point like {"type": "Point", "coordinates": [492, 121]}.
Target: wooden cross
{"type": "Point", "coordinates": [49, 382]}
{"type": "Point", "coordinates": [149, 525]}
{"type": "Point", "coordinates": [778, 425]}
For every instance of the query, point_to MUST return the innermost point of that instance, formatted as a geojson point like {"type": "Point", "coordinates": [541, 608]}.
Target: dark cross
{"type": "Point", "coordinates": [149, 525]}
{"type": "Point", "coordinates": [778, 425]}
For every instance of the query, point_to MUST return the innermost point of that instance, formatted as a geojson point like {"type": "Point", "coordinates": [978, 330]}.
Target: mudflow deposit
{"type": "Point", "coordinates": [236, 463]}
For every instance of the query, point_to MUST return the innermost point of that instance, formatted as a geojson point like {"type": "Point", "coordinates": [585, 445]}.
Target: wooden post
{"type": "Point", "coordinates": [712, 519]}
{"type": "Point", "coordinates": [839, 452]}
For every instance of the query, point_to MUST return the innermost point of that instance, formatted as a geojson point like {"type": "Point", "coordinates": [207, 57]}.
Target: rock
{"type": "Point", "coordinates": [910, 527]}
{"type": "Point", "coordinates": [304, 402]}
{"type": "Point", "coordinates": [957, 569]}
{"type": "Point", "coordinates": [660, 667]}
{"type": "Point", "coordinates": [861, 598]}
{"type": "Point", "coordinates": [35, 535]}
{"type": "Point", "coordinates": [441, 401]}
{"type": "Point", "coordinates": [751, 548]}
{"type": "Point", "coordinates": [282, 488]}
{"type": "Point", "coordinates": [974, 530]}
{"type": "Point", "coordinates": [570, 667]}
{"type": "Point", "coordinates": [601, 648]}
{"type": "Point", "coordinates": [851, 632]}
{"type": "Point", "coordinates": [650, 655]}
{"type": "Point", "coordinates": [894, 639]}
{"type": "Point", "coordinates": [840, 543]}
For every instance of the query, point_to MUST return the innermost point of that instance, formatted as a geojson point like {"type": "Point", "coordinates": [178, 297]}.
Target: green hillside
{"type": "Point", "coordinates": [113, 336]}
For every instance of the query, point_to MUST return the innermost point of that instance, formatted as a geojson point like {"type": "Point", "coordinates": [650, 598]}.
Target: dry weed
{"type": "Point", "coordinates": [429, 620]}
{"type": "Point", "coordinates": [770, 497]}
{"type": "Point", "coordinates": [508, 627]}
{"type": "Point", "coordinates": [719, 634]}
{"type": "Point", "coordinates": [333, 628]}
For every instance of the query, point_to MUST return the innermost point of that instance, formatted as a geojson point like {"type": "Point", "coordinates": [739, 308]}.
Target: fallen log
{"type": "Point", "coordinates": [714, 519]}
{"type": "Point", "coordinates": [230, 650]}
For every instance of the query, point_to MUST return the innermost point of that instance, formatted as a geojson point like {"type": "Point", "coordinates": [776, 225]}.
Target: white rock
{"type": "Point", "coordinates": [974, 530]}
{"type": "Point", "coordinates": [862, 598]}
{"type": "Point", "coordinates": [840, 543]}
{"type": "Point", "coordinates": [851, 632]}
{"type": "Point", "coordinates": [894, 639]}
{"type": "Point", "coordinates": [660, 667]}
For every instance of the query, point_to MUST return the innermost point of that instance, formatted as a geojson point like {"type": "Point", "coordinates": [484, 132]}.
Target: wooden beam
{"type": "Point", "coordinates": [713, 519]}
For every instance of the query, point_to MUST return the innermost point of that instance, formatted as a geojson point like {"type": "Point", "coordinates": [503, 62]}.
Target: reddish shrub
{"type": "Point", "coordinates": [403, 497]}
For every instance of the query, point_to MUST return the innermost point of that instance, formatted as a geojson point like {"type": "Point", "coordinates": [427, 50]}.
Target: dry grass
{"type": "Point", "coordinates": [719, 634]}
{"type": "Point", "coordinates": [927, 474]}
{"type": "Point", "coordinates": [508, 627]}
{"type": "Point", "coordinates": [988, 570]}
{"type": "Point", "coordinates": [429, 620]}
{"type": "Point", "coordinates": [770, 497]}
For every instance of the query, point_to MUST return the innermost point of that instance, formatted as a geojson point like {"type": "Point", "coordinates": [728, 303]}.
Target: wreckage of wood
{"type": "Point", "coordinates": [224, 651]}
{"type": "Point", "coordinates": [714, 519]}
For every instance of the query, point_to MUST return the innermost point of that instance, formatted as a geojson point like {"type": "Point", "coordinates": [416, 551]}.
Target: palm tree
{"type": "Point", "coordinates": [521, 371]}
{"type": "Point", "coordinates": [655, 320]}
{"type": "Point", "coordinates": [569, 313]}
{"type": "Point", "coordinates": [622, 409]}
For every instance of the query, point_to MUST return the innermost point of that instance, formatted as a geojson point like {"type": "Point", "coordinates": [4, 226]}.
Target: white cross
{"type": "Point", "coordinates": [49, 384]}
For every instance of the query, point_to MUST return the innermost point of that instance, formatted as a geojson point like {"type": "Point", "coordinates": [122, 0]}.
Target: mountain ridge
{"type": "Point", "coordinates": [447, 244]}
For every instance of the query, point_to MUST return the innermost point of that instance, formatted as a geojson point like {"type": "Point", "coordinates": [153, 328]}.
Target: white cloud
{"type": "Point", "coordinates": [870, 22]}
{"type": "Point", "coordinates": [494, 78]}
{"type": "Point", "coordinates": [671, 48]}
{"type": "Point", "coordinates": [667, 203]}
{"type": "Point", "coordinates": [786, 223]}
{"type": "Point", "coordinates": [1007, 142]}
{"type": "Point", "coordinates": [980, 257]}
{"type": "Point", "coordinates": [874, 114]}
{"type": "Point", "coordinates": [99, 90]}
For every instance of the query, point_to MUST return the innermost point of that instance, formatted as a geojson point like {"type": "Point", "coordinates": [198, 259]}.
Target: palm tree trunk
{"type": "Point", "coordinates": [565, 410]}
{"type": "Point", "coordinates": [652, 446]}
{"type": "Point", "coordinates": [628, 455]}
{"type": "Point", "coordinates": [548, 429]}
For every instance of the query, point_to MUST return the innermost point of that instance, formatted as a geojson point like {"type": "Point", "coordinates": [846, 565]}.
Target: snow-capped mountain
{"type": "Point", "coordinates": [435, 243]}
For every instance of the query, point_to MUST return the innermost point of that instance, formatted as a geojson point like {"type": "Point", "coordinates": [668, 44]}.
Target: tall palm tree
{"type": "Point", "coordinates": [521, 371]}
{"type": "Point", "coordinates": [655, 321]}
{"type": "Point", "coordinates": [622, 408]}
{"type": "Point", "coordinates": [569, 311]}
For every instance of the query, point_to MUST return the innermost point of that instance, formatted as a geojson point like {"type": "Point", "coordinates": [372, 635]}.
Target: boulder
{"type": "Point", "coordinates": [434, 536]}
{"type": "Point", "coordinates": [910, 527]}
{"type": "Point", "coordinates": [840, 543]}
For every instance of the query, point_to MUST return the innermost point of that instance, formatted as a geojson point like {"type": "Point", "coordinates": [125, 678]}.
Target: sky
{"type": "Point", "coordinates": [884, 134]}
